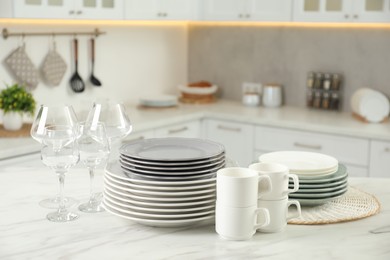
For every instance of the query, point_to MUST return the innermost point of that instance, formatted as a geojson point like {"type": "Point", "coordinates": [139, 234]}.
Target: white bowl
{"type": "Point", "coordinates": [199, 90]}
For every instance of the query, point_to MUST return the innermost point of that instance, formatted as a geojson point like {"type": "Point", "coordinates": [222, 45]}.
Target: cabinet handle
{"type": "Point", "coordinates": [346, 16]}
{"type": "Point", "coordinates": [228, 128]}
{"type": "Point", "coordinates": [165, 14]}
{"type": "Point", "coordinates": [247, 15]}
{"type": "Point", "coordinates": [71, 12]}
{"type": "Point", "coordinates": [178, 130]}
{"type": "Point", "coordinates": [134, 139]}
{"type": "Point", "coordinates": [355, 16]}
{"type": "Point", "coordinates": [159, 14]}
{"type": "Point", "coordinates": [310, 146]}
{"type": "Point", "coordinates": [240, 15]}
{"type": "Point", "coordinates": [79, 12]}
{"type": "Point", "coordinates": [387, 150]}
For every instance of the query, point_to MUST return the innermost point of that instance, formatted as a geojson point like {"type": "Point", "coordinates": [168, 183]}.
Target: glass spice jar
{"type": "Point", "coordinates": [334, 101]}
{"type": "Point", "coordinates": [309, 98]}
{"type": "Point", "coordinates": [336, 81]}
{"type": "Point", "coordinates": [326, 83]}
{"type": "Point", "coordinates": [310, 80]}
{"type": "Point", "coordinates": [325, 100]}
{"type": "Point", "coordinates": [317, 99]}
{"type": "Point", "coordinates": [318, 80]}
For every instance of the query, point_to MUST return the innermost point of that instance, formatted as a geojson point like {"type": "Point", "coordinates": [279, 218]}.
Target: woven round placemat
{"type": "Point", "coordinates": [353, 205]}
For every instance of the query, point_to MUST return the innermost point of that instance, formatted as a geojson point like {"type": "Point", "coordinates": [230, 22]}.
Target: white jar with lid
{"type": "Point", "coordinates": [272, 95]}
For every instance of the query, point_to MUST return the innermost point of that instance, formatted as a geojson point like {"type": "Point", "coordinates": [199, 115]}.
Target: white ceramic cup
{"type": "Point", "coordinates": [279, 214]}
{"type": "Point", "coordinates": [240, 187]}
{"type": "Point", "coordinates": [233, 223]}
{"type": "Point", "coordinates": [280, 176]}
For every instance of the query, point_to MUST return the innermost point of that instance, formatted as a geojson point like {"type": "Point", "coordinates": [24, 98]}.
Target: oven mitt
{"type": "Point", "coordinates": [53, 68]}
{"type": "Point", "coordinates": [22, 68]}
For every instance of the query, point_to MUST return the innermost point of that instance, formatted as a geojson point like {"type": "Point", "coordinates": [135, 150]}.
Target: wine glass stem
{"type": "Point", "coordinates": [91, 180]}
{"type": "Point", "coordinates": [61, 177]}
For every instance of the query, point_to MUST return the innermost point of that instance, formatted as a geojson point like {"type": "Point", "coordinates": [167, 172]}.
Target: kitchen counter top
{"type": "Point", "coordinates": [26, 234]}
{"type": "Point", "coordinates": [286, 117]}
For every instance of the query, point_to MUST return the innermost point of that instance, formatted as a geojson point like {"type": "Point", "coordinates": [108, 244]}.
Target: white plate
{"type": "Point", "coordinates": [172, 149]}
{"type": "Point", "coordinates": [159, 188]}
{"type": "Point", "coordinates": [199, 167]}
{"type": "Point", "coordinates": [161, 205]}
{"type": "Point", "coordinates": [199, 90]}
{"type": "Point", "coordinates": [321, 190]}
{"type": "Point", "coordinates": [337, 176]}
{"type": "Point", "coordinates": [324, 195]}
{"type": "Point", "coordinates": [298, 161]}
{"type": "Point", "coordinates": [158, 100]}
{"type": "Point", "coordinates": [158, 216]}
{"type": "Point", "coordinates": [161, 223]}
{"type": "Point", "coordinates": [161, 211]}
{"type": "Point", "coordinates": [114, 170]}
{"type": "Point", "coordinates": [316, 174]}
{"type": "Point", "coordinates": [159, 199]}
{"type": "Point", "coordinates": [179, 178]}
{"type": "Point", "coordinates": [171, 194]}
{"type": "Point", "coordinates": [211, 160]}
{"type": "Point", "coordinates": [171, 173]}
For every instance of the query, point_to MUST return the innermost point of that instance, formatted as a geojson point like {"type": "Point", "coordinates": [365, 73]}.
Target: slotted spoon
{"type": "Point", "coordinates": [92, 78]}
{"type": "Point", "coordinates": [76, 82]}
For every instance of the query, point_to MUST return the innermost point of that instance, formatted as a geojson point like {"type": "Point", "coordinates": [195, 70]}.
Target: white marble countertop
{"type": "Point", "coordinates": [286, 117]}
{"type": "Point", "coordinates": [26, 234]}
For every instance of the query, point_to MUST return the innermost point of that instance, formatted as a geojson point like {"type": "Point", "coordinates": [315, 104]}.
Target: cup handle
{"type": "Point", "coordinates": [265, 184]}
{"type": "Point", "coordinates": [266, 216]}
{"type": "Point", "coordinates": [297, 205]}
{"type": "Point", "coordinates": [295, 179]}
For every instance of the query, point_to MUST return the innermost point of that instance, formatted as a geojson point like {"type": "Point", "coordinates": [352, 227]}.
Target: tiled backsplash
{"type": "Point", "coordinates": [230, 55]}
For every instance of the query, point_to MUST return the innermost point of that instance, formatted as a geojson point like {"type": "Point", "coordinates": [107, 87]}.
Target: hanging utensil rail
{"type": "Point", "coordinates": [7, 34]}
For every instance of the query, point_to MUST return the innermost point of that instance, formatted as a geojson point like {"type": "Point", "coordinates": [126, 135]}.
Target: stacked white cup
{"type": "Point", "coordinates": [237, 215]}
{"type": "Point", "coordinates": [276, 201]}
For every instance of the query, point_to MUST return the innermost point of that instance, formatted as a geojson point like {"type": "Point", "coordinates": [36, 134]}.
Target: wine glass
{"type": "Point", "coordinates": [115, 119]}
{"type": "Point", "coordinates": [94, 150]}
{"type": "Point", "coordinates": [50, 116]}
{"type": "Point", "coordinates": [60, 152]}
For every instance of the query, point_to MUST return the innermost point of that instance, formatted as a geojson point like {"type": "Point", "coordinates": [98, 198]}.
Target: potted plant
{"type": "Point", "coordinates": [15, 101]}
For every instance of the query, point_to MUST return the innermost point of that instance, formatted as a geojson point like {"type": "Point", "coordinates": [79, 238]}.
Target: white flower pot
{"type": "Point", "coordinates": [12, 121]}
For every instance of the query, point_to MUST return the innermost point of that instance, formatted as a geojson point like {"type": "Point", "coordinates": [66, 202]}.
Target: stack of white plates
{"type": "Point", "coordinates": [370, 104]}
{"type": "Point", "coordinates": [321, 177]}
{"type": "Point", "coordinates": [164, 182]}
{"type": "Point", "coordinates": [158, 101]}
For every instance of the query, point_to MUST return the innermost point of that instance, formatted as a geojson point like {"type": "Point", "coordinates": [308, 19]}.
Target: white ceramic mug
{"type": "Point", "coordinates": [233, 223]}
{"type": "Point", "coordinates": [240, 187]}
{"type": "Point", "coordinates": [280, 176]}
{"type": "Point", "coordinates": [279, 214]}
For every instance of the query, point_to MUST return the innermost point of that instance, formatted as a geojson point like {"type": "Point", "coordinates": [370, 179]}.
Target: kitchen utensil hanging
{"type": "Point", "coordinates": [76, 82]}
{"type": "Point", "coordinates": [53, 67]}
{"type": "Point", "coordinates": [22, 68]}
{"type": "Point", "coordinates": [92, 78]}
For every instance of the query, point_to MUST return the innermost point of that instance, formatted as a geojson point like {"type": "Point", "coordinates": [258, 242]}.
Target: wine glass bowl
{"type": "Point", "coordinates": [60, 152]}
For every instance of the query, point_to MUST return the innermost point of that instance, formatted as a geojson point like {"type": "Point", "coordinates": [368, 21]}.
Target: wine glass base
{"type": "Point", "coordinates": [91, 207]}
{"type": "Point", "coordinates": [62, 217]}
{"type": "Point", "coordinates": [53, 203]}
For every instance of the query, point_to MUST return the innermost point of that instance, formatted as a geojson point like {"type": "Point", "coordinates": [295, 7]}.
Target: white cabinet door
{"type": "Point", "coordinates": [190, 130]}
{"type": "Point", "coordinates": [138, 136]}
{"type": "Point", "coordinates": [69, 9]}
{"type": "Point", "coordinates": [225, 10]}
{"type": "Point", "coordinates": [380, 159]}
{"type": "Point", "coordinates": [60, 9]}
{"type": "Point", "coordinates": [237, 139]}
{"type": "Point", "coordinates": [161, 9]}
{"type": "Point", "coordinates": [341, 10]}
{"type": "Point", "coordinates": [6, 9]}
{"type": "Point", "coordinates": [371, 11]}
{"type": "Point", "coordinates": [274, 10]}
{"type": "Point", "coordinates": [322, 10]}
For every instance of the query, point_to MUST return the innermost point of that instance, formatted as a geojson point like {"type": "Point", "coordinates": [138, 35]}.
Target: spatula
{"type": "Point", "coordinates": [76, 82]}
{"type": "Point", "coordinates": [92, 78]}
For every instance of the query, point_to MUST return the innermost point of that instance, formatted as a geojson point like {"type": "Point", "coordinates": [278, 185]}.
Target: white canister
{"type": "Point", "coordinates": [272, 95]}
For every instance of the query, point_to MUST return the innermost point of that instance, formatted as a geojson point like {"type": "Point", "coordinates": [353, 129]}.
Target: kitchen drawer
{"type": "Point", "coordinates": [236, 137]}
{"type": "Point", "coordinates": [138, 136]}
{"type": "Point", "coordinates": [347, 150]}
{"type": "Point", "coordinates": [380, 159]}
{"type": "Point", "coordinates": [188, 129]}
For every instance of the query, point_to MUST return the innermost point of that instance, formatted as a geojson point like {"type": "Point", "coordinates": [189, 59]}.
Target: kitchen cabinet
{"type": "Point", "coordinates": [236, 137]}
{"type": "Point", "coordinates": [341, 10]}
{"type": "Point", "coordinates": [247, 10]}
{"type": "Point", "coordinates": [6, 9]}
{"type": "Point", "coordinates": [161, 9]}
{"type": "Point", "coordinates": [69, 9]}
{"type": "Point", "coordinates": [352, 152]}
{"type": "Point", "coordinates": [380, 159]}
